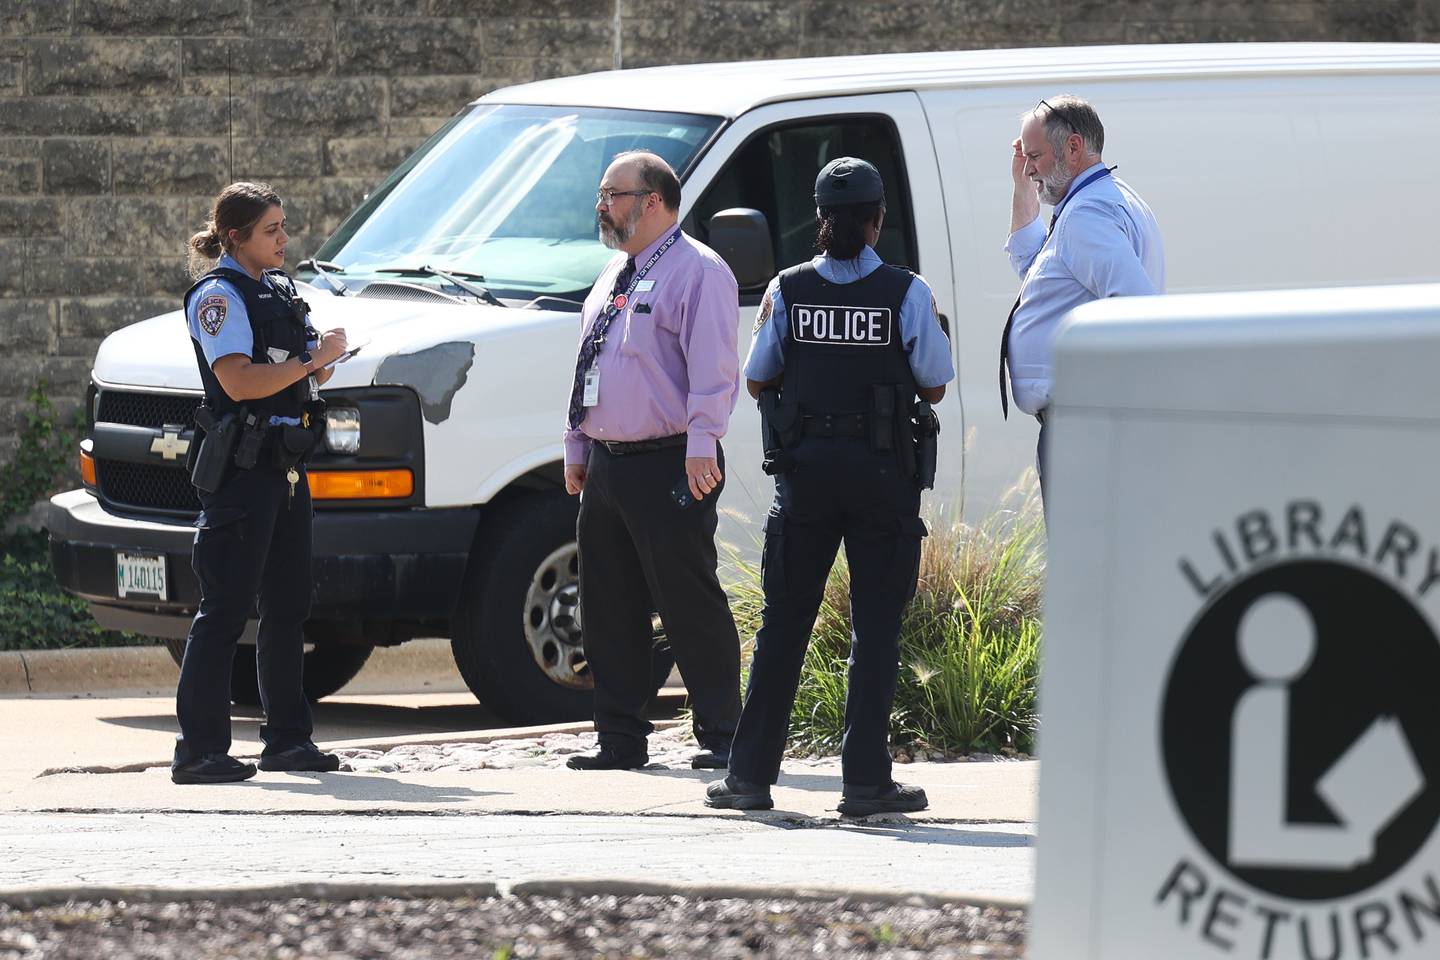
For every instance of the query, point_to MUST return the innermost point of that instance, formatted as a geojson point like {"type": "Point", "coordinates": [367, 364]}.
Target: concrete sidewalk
{"type": "Point", "coordinates": [525, 828]}
{"type": "Point", "coordinates": [959, 793]}
{"type": "Point", "coordinates": [95, 835]}
{"type": "Point", "coordinates": [55, 857]}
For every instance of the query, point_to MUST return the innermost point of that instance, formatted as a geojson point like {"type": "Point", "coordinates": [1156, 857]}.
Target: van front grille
{"type": "Point", "coordinates": [147, 409]}
{"type": "Point", "coordinates": [153, 487]}
{"type": "Point", "coordinates": [146, 486]}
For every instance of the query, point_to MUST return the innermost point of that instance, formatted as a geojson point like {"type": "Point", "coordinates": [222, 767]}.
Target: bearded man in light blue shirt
{"type": "Point", "coordinates": [1102, 241]}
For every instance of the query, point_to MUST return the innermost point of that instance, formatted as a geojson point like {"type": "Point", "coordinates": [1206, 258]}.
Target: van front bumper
{"type": "Point", "coordinates": [367, 565]}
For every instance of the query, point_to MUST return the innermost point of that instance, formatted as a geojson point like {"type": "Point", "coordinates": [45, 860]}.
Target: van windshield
{"type": "Point", "coordinates": [505, 192]}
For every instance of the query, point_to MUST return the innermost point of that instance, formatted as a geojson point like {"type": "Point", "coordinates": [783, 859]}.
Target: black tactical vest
{"type": "Point", "coordinates": [843, 339]}
{"type": "Point", "coordinates": [277, 319]}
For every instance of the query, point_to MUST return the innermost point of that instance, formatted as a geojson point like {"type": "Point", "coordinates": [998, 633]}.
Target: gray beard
{"type": "Point", "coordinates": [618, 235]}
{"type": "Point", "coordinates": [1054, 187]}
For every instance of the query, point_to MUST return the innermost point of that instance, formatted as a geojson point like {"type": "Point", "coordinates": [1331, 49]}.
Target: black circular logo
{"type": "Point", "coordinates": [1301, 729]}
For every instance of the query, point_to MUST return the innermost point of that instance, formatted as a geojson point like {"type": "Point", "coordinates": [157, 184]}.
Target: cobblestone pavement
{"type": "Point", "coordinates": [510, 927]}
{"type": "Point", "coordinates": [670, 747]}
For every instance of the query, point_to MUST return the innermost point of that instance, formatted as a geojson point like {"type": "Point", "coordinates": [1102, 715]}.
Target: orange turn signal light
{"type": "Point", "coordinates": [361, 484]}
{"type": "Point", "coordinates": [87, 470]}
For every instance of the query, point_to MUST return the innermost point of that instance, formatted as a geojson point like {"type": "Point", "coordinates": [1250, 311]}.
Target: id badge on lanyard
{"type": "Point", "coordinates": [591, 395]}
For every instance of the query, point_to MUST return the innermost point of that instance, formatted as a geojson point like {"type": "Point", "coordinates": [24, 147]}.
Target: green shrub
{"type": "Point", "coordinates": [34, 612]}
{"type": "Point", "coordinates": [969, 645]}
{"type": "Point", "coordinates": [43, 459]}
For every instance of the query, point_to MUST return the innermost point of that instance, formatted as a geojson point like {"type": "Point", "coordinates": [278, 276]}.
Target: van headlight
{"type": "Point", "coordinates": [342, 429]}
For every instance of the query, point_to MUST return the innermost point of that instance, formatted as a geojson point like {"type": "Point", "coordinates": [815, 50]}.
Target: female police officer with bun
{"type": "Point", "coordinates": [260, 363]}
{"type": "Point", "coordinates": [850, 342]}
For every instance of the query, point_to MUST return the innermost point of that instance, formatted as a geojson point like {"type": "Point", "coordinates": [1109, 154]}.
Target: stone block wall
{"type": "Point", "coordinates": [120, 119]}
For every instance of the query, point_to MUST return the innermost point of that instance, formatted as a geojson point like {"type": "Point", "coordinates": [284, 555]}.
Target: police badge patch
{"type": "Point", "coordinates": [211, 314]}
{"type": "Point", "coordinates": [764, 314]}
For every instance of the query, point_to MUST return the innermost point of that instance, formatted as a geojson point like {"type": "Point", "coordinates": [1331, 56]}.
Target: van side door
{"type": "Point", "coordinates": [767, 160]}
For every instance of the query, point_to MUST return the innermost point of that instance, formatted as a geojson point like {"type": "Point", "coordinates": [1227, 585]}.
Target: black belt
{"type": "Point", "coordinates": [835, 425]}
{"type": "Point", "coordinates": [620, 448]}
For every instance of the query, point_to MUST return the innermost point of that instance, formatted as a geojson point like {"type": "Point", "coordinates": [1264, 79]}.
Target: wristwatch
{"type": "Point", "coordinates": [306, 360]}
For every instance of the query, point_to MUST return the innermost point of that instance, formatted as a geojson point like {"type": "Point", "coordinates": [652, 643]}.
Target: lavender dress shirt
{"type": "Point", "coordinates": [670, 363]}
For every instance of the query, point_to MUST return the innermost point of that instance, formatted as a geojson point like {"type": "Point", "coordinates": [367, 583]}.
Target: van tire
{"type": "Point", "coordinates": [328, 667]}
{"type": "Point", "coordinates": [514, 637]}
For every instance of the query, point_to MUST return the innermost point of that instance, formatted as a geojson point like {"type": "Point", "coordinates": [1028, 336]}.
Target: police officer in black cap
{"type": "Point", "coordinates": [844, 345]}
{"type": "Point", "coordinates": [260, 363]}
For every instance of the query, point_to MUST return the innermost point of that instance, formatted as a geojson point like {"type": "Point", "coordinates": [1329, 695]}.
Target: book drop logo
{"type": "Point", "coordinates": [1300, 731]}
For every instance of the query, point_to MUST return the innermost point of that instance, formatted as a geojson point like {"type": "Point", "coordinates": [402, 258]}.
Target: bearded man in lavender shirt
{"type": "Point", "coordinates": [655, 383]}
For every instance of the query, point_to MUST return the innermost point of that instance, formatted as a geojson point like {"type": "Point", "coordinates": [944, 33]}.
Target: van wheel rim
{"type": "Point", "coordinates": [552, 620]}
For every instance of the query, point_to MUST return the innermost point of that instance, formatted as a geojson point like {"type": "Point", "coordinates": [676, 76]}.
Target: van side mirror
{"type": "Point", "coordinates": [742, 238]}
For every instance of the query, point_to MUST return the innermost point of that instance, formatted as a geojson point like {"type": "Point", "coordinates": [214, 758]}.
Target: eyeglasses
{"type": "Point", "coordinates": [607, 197]}
{"type": "Point", "coordinates": [1056, 111]}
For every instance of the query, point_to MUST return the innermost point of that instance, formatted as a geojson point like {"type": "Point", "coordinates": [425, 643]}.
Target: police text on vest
{"type": "Point", "coordinates": [851, 326]}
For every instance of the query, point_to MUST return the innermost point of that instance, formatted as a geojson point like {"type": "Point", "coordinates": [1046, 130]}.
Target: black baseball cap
{"type": "Point", "coordinates": [846, 180]}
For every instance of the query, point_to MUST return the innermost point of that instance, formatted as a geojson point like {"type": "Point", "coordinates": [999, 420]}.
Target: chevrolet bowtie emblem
{"type": "Point", "coordinates": [170, 446]}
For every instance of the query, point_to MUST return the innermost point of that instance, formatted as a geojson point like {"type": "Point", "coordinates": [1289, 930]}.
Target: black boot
{"type": "Point", "coordinates": [892, 797]}
{"type": "Point", "coordinates": [212, 768]}
{"type": "Point", "coordinates": [732, 793]}
{"type": "Point", "coordinates": [301, 757]}
{"type": "Point", "coordinates": [610, 758]}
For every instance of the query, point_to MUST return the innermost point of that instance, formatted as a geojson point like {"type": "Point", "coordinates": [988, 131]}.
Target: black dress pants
{"type": "Point", "coordinates": [253, 542]}
{"type": "Point", "coordinates": [641, 552]}
{"type": "Point", "coordinates": [839, 491]}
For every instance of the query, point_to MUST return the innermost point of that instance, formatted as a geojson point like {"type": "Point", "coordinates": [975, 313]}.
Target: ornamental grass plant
{"type": "Point", "coordinates": [969, 644]}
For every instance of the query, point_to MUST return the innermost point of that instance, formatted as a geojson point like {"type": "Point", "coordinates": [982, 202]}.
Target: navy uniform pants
{"type": "Point", "coordinates": [641, 552]}
{"type": "Point", "coordinates": [253, 542]}
{"type": "Point", "coordinates": [839, 491]}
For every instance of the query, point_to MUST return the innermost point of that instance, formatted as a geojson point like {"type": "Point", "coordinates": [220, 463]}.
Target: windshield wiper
{"type": "Point", "coordinates": [450, 276]}
{"type": "Point", "coordinates": [324, 268]}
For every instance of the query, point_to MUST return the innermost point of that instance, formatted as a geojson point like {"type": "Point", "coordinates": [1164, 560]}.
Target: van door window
{"type": "Point", "coordinates": [775, 173]}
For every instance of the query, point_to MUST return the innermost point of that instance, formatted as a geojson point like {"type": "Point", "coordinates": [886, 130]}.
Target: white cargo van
{"type": "Point", "coordinates": [440, 510]}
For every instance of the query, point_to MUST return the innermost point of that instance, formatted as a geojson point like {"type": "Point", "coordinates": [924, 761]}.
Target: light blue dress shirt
{"type": "Point", "coordinates": [924, 341]}
{"type": "Point", "coordinates": [1105, 244]}
{"type": "Point", "coordinates": [233, 334]}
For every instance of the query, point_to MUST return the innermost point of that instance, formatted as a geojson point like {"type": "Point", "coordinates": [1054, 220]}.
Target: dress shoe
{"type": "Point", "coordinates": [710, 760]}
{"type": "Point", "coordinates": [212, 768]}
{"type": "Point", "coordinates": [732, 793]}
{"type": "Point", "coordinates": [301, 757]}
{"type": "Point", "coordinates": [891, 797]}
{"type": "Point", "coordinates": [608, 758]}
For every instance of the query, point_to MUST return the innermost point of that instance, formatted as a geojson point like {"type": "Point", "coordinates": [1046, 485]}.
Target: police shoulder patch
{"type": "Point", "coordinates": [766, 305]}
{"type": "Point", "coordinates": [211, 313]}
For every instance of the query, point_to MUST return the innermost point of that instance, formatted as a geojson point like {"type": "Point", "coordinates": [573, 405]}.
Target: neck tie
{"type": "Point", "coordinates": [590, 347]}
{"type": "Point", "coordinates": [1005, 337]}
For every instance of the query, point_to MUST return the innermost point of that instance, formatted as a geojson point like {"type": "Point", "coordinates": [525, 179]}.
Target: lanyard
{"type": "Point", "coordinates": [617, 303]}
{"type": "Point", "coordinates": [1097, 175]}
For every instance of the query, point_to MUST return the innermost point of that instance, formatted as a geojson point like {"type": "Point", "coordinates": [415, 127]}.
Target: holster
{"type": "Point", "coordinates": [215, 439]}
{"type": "Point", "coordinates": [927, 444]}
{"type": "Point", "coordinates": [779, 430]}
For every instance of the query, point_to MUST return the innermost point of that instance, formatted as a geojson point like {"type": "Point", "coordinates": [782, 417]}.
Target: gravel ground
{"type": "Point", "coordinates": [671, 747]}
{"type": "Point", "coordinates": [511, 927]}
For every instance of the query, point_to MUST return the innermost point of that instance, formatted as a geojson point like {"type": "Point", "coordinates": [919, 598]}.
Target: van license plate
{"type": "Point", "coordinates": [140, 575]}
